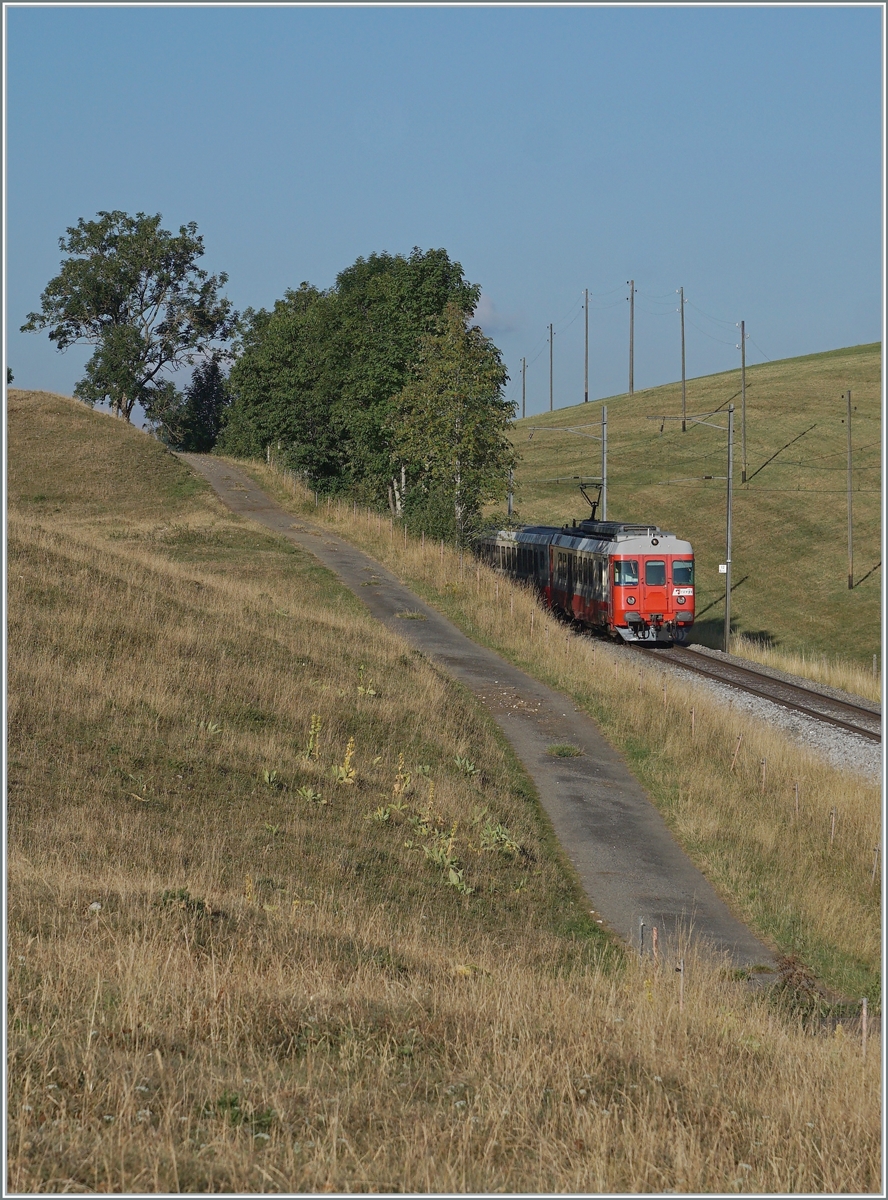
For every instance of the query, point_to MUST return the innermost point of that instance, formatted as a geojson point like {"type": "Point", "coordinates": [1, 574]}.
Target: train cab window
{"type": "Point", "coordinates": [683, 573]}
{"type": "Point", "coordinates": [625, 572]}
{"type": "Point", "coordinates": [655, 573]}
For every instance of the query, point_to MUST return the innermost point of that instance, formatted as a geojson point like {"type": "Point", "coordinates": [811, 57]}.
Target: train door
{"type": "Point", "coordinates": [569, 583]}
{"type": "Point", "coordinates": [653, 587]}
{"type": "Point", "coordinates": [600, 590]}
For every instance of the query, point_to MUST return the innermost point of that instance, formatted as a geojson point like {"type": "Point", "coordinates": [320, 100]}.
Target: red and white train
{"type": "Point", "coordinates": [635, 581]}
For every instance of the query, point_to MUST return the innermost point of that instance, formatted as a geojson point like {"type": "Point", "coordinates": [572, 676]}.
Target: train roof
{"type": "Point", "coordinates": [609, 532]}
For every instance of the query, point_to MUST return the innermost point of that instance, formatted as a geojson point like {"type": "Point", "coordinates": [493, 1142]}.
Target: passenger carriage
{"type": "Point", "coordinates": [635, 581]}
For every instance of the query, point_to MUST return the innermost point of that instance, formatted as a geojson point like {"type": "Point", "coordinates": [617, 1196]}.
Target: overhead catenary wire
{"type": "Point", "coordinates": [781, 491]}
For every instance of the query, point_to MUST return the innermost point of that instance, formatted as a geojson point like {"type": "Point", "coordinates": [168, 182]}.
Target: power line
{"type": "Point", "coordinates": [718, 320]}
{"type": "Point", "coordinates": [721, 341]}
{"type": "Point", "coordinates": [604, 307]}
{"type": "Point", "coordinates": [566, 327]}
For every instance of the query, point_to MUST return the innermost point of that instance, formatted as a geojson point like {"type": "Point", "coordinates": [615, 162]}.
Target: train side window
{"type": "Point", "coordinates": [625, 572]}
{"type": "Point", "coordinates": [655, 572]}
{"type": "Point", "coordinates": [683, 573]}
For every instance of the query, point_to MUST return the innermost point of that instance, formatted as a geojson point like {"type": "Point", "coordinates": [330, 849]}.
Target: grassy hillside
{"type": "Point", "coordinates": [789, 556]}
{"type": "Point", "coordinates": [773, 862]}
{"type": "Point", "coordinates": [238, 959]}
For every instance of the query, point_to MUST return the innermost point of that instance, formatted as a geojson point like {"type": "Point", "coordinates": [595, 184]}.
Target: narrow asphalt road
{"type": "Point", "coordinates": [629, 864]}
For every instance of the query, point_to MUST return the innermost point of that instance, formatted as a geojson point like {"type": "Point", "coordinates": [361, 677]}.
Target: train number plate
{"type": "Point", "coordinates": [682, 591]}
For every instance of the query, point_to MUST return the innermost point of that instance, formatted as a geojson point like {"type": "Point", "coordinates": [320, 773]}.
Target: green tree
{"type": "Point", "coordinates": [286, 386]}
{"type": "Point", "coordinates": [135, 292]}
{"type": "Point", "coordinates": [192, 421]}
{"type": "Point", "coordinates": [317, 374]}
{"type": "Point", "coordinates": [449, 423]}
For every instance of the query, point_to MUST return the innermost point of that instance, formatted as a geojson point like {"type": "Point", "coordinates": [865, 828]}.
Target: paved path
{"type": "Point", "coordinates": [628, 862]}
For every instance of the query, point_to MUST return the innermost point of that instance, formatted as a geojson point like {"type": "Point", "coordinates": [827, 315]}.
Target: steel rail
{"type": "Point", "coordinates": [778, 691]}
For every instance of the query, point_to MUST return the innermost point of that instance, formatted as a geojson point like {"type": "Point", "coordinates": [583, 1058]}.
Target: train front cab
{"type": "Point", "coordinates": [653, 596]}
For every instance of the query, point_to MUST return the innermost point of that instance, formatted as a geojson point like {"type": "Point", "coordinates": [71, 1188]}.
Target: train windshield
{"type": "Point", "coordinates": [655, 572]}
{"type": "Point", "coordinates": [625, 572]}
{"type": "Point", "coordinates": [683, 573]}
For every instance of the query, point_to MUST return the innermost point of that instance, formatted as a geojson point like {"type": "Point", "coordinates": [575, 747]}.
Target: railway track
{"type": "Point", "coordinates": [866, 721]}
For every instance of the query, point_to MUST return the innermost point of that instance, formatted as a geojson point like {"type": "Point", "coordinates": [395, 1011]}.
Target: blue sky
{"type": "Point", "coordinates": [736, 151]}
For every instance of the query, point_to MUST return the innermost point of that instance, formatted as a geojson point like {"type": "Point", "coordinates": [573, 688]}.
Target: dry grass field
{"type": "Point", "coordinates": [790, 554]}
{"type": "Point", "coordinates": [266, 933]}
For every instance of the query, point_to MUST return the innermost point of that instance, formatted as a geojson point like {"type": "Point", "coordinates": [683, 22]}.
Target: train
{"type": "Point", "coordinates": [630, 581]}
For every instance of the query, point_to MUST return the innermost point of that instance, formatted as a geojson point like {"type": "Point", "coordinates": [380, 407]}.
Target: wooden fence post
{"type": "Point", "coordinates": [863, 1023]}
{"type": "Point", "coordinates": [736, 750]}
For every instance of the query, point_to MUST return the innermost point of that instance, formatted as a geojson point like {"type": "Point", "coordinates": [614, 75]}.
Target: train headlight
{"type": "Point", "coordinates": [680, 600]}
{"type": "Point", "coordinates": [630, 599]}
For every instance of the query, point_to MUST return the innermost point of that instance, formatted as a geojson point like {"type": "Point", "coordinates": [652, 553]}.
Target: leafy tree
{"type": "Point", "coordinates": [135, 292]}
{"type": "Point", "coordinates": [448, 424]}
{"type": "Point", "coordinates": [192, 421]}
{"type": "Point", "coordinates": [318, 373]}
{"type": "Point", "coordinates": [9, 375]}
{"type": "Point", "coordinates": [286, 387]}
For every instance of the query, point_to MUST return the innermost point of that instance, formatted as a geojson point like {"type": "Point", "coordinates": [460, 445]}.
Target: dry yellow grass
{"type": "Point", "coordinates": [218, 984]}
{"type": "Point", "coordinates": [839, 673]}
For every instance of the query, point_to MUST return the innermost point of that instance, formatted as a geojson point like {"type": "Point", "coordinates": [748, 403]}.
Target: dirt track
{"type": "Point", "coordinates": [629, 864]}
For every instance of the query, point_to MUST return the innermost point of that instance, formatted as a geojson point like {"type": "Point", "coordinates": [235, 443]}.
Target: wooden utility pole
{"type": "Point", "coordinates": [684, 395]}
{"type": "Point", "coordinates": [523, 387]}
{"type": "Point", "coordinates": [730, 498]}
{"type": "Point", "coordinates": [551, 342]}
{"type": "Point", "coordinates": [604, 462]}
{"type": "Point", "coordinates": [850, 524]}
{"type": "Point", "coordinates": [631, 283]}
{"type": "Point", "coordinates": [743, 398]}
{"type": "Point", "coordinates": [586, 369]}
